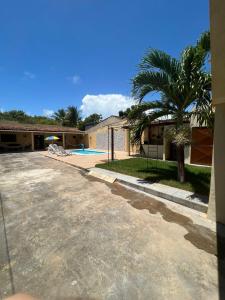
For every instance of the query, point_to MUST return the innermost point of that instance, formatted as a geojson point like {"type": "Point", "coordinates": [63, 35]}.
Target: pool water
{"type": "Point", "coordinates": [87, 152]}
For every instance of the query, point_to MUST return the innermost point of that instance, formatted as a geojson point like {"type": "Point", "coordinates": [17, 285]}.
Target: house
{"type": "Point", "coordinates": [155, 145]}
{"type": "Point", "coordinates": [31, 137]}
{"type": "Point", "coordinates": [100, 136]}
{"type": "Point", "coordinates": [153, 142]}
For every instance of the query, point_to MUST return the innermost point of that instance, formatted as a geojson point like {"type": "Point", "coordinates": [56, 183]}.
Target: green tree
{"type": "Point", "coordinates": [125, 113]}
{"type": "Point", "coordinates": [180, 84]}
{"type": "Point", "coordinates": [73, 116]}
{"type": "Point", "coordinates": [91, 120]}
{"type": "Point", "coordinates": [21, 117]}
{"type": "Point", "coordinates": [14, 115]}
{"type": "Point", "coordinates": [60, 116]}
{"type": "Point", "coordinates": [204, 111]}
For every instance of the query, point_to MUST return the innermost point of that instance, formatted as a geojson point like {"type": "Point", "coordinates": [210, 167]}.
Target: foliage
{"type": "Point", "coordinates": [204, 111]}
{"type": "Point", "coordinates": [60, 116]}
{"type": "Point", "coordinates": [22, 117]}
{"type": "Point", "coordinates": [125, 113]}
{"type": "Point", "coordinates": [64, 117]}
{"type": "Point", "coordinates": [91, 120]}
{"type": "Point", "coordinates": [68, 117]}
{"type": "Point", "coordinates": [179, 136]}
{"type": "Point", "coordinates": [73, 116]}
{"type": "Point", "coordinates": [181, 83]}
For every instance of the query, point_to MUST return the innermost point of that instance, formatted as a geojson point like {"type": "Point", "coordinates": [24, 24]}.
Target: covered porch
{"type": "Point", "coordinates": [11, 141]}
{"type": "Point", "coordinates": [16, 137]}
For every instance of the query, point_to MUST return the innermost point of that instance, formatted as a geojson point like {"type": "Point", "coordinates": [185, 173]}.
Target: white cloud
{"type": "Point", "coordinates": [106, 105]}
{"type": "Point", "coordinates": [29, 75]}
{"type": "Point", "coordinates": [48, 112]}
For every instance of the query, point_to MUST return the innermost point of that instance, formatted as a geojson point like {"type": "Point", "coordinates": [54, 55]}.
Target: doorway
{"type": "Point", "coordinates": [39, 142]}
{"type": "Point", "coordinates": [202, 145]}
{"type": "Point", "coordinates": [173, 152]}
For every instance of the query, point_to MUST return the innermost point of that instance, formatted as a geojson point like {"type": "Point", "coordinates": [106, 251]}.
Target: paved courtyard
{"type": "Point", "coordinates": [87, 161]}
{"type": "Point", "coordinates": [65, 235]}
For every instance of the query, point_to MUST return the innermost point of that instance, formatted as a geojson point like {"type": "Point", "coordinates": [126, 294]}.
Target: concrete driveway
{"type": "Point", "coordinates": [65, 235]}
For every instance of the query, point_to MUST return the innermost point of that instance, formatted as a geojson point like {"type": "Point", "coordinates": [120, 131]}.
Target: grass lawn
{"type": "Point", "coordinates": [197, 178]}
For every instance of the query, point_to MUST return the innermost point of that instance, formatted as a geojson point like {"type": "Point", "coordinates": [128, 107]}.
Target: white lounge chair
{"type": "Point", "coordinates": [52, 149]}
{"type": "Point", "coordinates": [57, 150]}
{"type": "Point", "coordinates": [63, 151]}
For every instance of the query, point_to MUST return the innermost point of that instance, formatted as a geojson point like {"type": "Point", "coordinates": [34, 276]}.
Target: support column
{"type": "Point", "coordinates": [64, 140]}
{"type": "Point", "coordinates": [32, 141]}
{"type": "Point", "coordinates": [112, 143]}
{"type": "Point", "coordinates": [128, 137]}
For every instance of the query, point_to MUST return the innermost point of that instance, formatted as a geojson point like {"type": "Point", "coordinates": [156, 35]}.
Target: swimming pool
{"type": "Point", "coordinates": [86, 152]}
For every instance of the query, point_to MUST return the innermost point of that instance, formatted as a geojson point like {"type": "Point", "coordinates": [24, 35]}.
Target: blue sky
{"type": "Point", "coordinates": [56, 53]}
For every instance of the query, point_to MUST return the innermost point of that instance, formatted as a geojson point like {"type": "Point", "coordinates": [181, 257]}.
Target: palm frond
{"type": "Point", "coordinates": [138, 129]}
{"type": "Point", "coordinates": [204, 41]}
{"type": "Point", "coordinates": [181, 83]}
{"type": "Point", "coordinates": [146, 82]}
{"type": "Point", "coordinates": [143, 122]}
{"type": "Point", "coordinates": [159, 60]}
{"type": "Point", "coordinates": [139, 109]}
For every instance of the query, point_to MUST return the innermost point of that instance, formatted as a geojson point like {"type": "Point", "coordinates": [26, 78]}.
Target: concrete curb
{"type": "Point", "coordinates": [202, 207]}
{"type": "Point", "coordinates": [179, 196]}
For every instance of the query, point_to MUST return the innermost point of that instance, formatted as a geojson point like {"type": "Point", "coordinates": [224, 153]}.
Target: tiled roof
{"type": "Point", "coordinates": [110, 121]}
{"type": "Point", "coordinates": [15, 126]}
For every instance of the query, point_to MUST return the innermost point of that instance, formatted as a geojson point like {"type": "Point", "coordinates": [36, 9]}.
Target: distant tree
{"type": "Point", "coordinates": [60, 116]}
{"type": "Point", "coordinates": [14, 115]}
{"type": "Point", "coordinates": [73, 116]}
{"type": "Point", "coordinates": [21, 117]}
{"type": "Point", "coordinates": [93, 119]}
{"type": "Point", "coordinates": [43, 120]}
{"type": "Point", "coordinates": [125, 113]}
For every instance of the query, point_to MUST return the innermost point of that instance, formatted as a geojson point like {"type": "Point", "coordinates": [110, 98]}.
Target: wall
{"type": "Point", "coordinates": [103, 139]}
{"type": "Point", "coordinates": [92, 140]}
{"type": "Point", "coordinates": [216, 209]}
{"type": "Point", "coordinates": [153, 151]}
{"type": "Point", "coordinates": [21, 138]}
{"type": "Point", "coordinates": [156, 135]}
{"type": "Point", "coordinates": [73, 140]}
{"type": "Point", "coordinates": [217, 35]}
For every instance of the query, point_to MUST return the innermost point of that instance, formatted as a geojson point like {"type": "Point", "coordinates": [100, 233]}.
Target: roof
{"type": "Point", "coordinates": [110, 121]}
{"type": "Point", "coordinates": [15, 126]}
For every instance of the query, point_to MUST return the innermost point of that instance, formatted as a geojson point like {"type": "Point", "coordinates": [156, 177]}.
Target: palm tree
{"type": "Point", "coordinates": [180, 83]}
{"type": "Point", "coordinates": [73, 116]}
{"type": "Point", "coordinates": [204, 111]}
{"type": "Point", "coordinates": [60, 116]}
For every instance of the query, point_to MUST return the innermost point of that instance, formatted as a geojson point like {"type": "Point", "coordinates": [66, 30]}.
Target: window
{"type": "Point", "coordinates": [7, 138]}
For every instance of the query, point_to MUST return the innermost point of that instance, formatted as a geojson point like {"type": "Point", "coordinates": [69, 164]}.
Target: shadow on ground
{"type": "Point", "coordinates": [198, 182]}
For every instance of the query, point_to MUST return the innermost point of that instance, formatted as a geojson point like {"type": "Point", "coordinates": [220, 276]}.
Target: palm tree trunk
{"type": "Point", "coordinates": [180, 163]}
